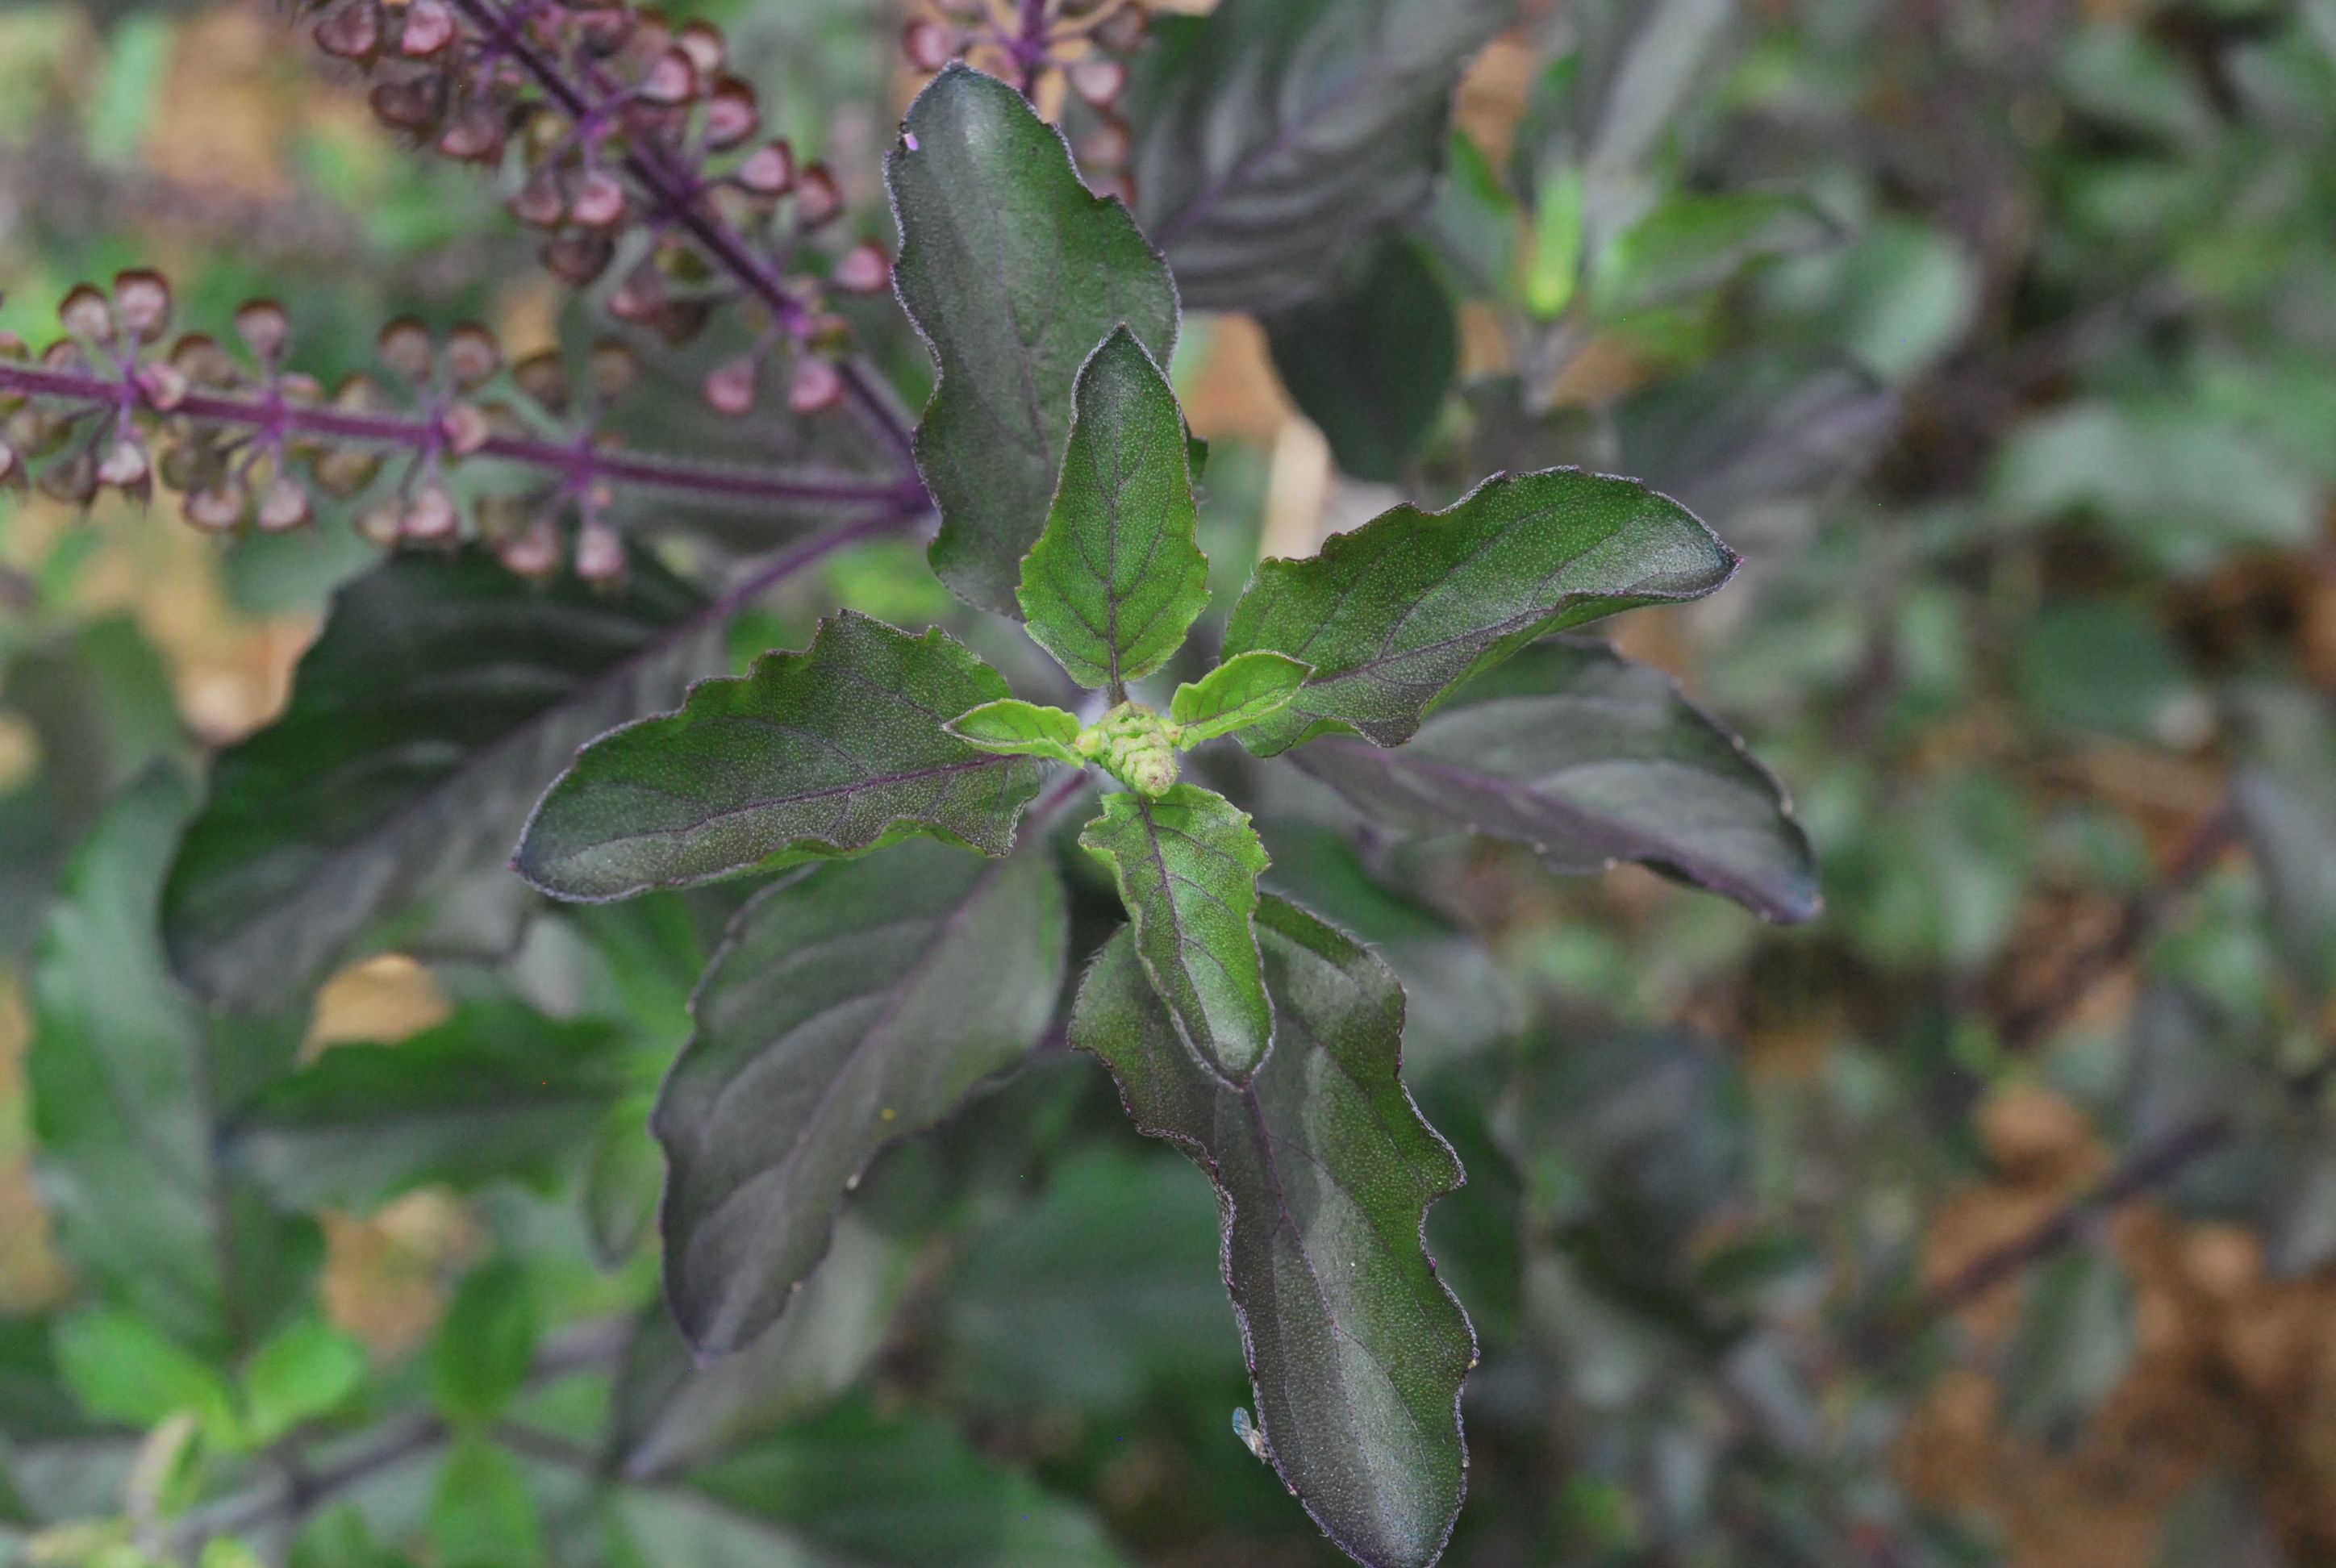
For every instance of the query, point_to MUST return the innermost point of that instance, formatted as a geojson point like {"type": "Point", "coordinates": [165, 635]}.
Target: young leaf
{"type": "Point", "coordinates": [442, 698]}
{"type": "Point", "coordinates": [479, 1357]}
{"type": "Point", "coordinates": [482, 1514]}
{"type": "Point", "coordinates": [1276, 133]}
{"type": "Point", "coordinates": [308, 1369]}
{"type": "Point", "coordinates": [1324, 1171]}
{"type": "Point", "coordinates": [1238, 693]}
{"type": "Point", "coordinates": [1398, 612]}
{"type": "Point", "coordinates": [497, 1089]}
{"type": "Point", "coordinates": [1371, 361]}
{"type": "Point", "coordinates": [1187, 865]}
{"type": "Point", "coordinates": [852, 1006]}
{"type": "Point", "coordinates": [1590, 759]}
{"type": "Point", "coordinates": [1117, 577]}
{"type": "Point", "coordinates": [826, 752]}
{"type": "Point", "coordinates": [1012, 727]}
{"type": "Point", "coordinates": [123, 1369]}
{"type": "Point", "coordinates": [1013, 272]}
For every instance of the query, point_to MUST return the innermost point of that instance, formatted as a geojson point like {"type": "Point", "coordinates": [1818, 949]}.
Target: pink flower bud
{"type": "Point", "coordinates": [732, 114]}
{"type": "Point", "coordinates": [599, 201]}
{"type": "Point", "coordinates": [124, 463]}
{"type": "Point", "coordinates": [284, 506]}
{"type": "Point", "coordinates": [472, 356]}
{"type": "Point", "coordinates": [534, 551]}
{"type": "Point", "coordinates": [929, 44]}
{"type": "Point", "coordinates": [8, 467]}
{"type": "Point", "coordinates": [379, 524]}
{"type": "Point", "coordinates": [768, 170]}
{"type": "Point", "coordinates": [577, 259]}
{"type": "Point", "coordinates": [731, 389]}
{"type": "Point", "coordinates": [205, 363]}
{"type": "Point", "coordinates": [143, 299]}
{"type": "Point", "coordinates": [671, 80]}
{"type": "Point", "coordinates": [537, 203]}
{"type": "Point", "coordinates": [1105, 145]}
{"type": "Point", "coordinates": [815, 384]}
{"type": "Point", "coordinates": [86, 314]}
{"type": "Point", "coordinates": [702, 42]}
{"type": "Point", "coordinates": [264, 328]}
{"type": "Point", "coordinates": [818, 199]}
{"type": "Point", "coordinates": [351, 32]}
{"type": "Point", "coordinates": [216, 508]}
{"type": "Point", "coordinates": [429, 27]}
{"type": "Point", "coordinates": [164, 385]}
{"type": "Point", "coordinates": [1098, 79]}
{"type": "Point", "coordinates": [1120, 31]}
{"type": "Point", "coordinates": [600, 554]}
{"type": "Point", "coordinates": [863, 269]}
{"type": "Point", "coordinates": [430, 517]}
{"type": "Point", "coordinates": [405, 347]}
{"type": "Point", "coordinates": [477, 137]}
{"type": "Point", "coordinates": [465, 428]}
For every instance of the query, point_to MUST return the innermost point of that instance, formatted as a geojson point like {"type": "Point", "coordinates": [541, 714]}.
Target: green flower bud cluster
{"type": "Point", "coordinates": [1134, 746]}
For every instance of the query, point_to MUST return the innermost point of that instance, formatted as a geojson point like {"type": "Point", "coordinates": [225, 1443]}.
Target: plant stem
{"type": "Point", "coordinates": [577, 463]}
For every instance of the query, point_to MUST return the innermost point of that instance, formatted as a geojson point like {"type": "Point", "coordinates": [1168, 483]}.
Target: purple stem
{"type": "Point", "coordinates": [677, 191]}
{"type": "Point", "coordinates": [578, 463]}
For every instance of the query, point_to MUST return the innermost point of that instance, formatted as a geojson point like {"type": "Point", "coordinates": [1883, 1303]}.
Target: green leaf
{"type": "Point", "coordinates": [497, 1089]}
{"type": "Point", "coordinates": [1012, 727]}
{"type": "Point", "coordinates": [1372, 360]}
{"type": "Point", "coordinates": [1117, 578]}
{"type": "Point", "coordinates": [308, 1369]}
{"type": "Point", "coordinates": [1324, 1171]}
{"type": "Point", "coordinates": [1590, 759]}
{"type": "Point", "coordinates": [123, 1369]}
{"type": "Point", "coordinates": [443, 697]}
{"type": "Point", "coordinates": [1238, 693]}
{"type": "Point", "coordinates": [1013, 272]}
{"type": "Point", "coordinates": [672, 1415]}
{"type": "Point", "coordinates": [826, 752]}
{"type": "Point", "coordinates": [481, 1515]}
{"type": "Point", "coordinates": [853, 1005]}
{"type": "Point", "coordinates": [1187, 865]}
{"type": "Point", "coordinates": [1695, 241]}
{"type": "Point", "coordinates": [1276, 134]}
{"type": "Point", "coordinates": [479, 1355]}
{"type": "Point", "coordinates": [123, 1071]}
{"type": "Point", "coordinates": [1395, 614]}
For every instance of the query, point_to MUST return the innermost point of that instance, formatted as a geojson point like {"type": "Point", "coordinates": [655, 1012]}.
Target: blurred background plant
{"type": "Point", "coordinates": [1991, 1217]}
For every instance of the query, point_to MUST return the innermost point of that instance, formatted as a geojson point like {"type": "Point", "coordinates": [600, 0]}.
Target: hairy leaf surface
{"type": "Point", "coordinates": [1012, 727]}
{"type": "Point", "coordinates": [1238, 693]}
{"type": "Point", "coordinates": [1397, 613]}
{"type": "Point", "coordinates": [826, 752]}
{"type": "Point", "coordinates": [1590, 759]}
{"type": "Point", "coordinates": [1276, 133]}
{"type": "Point", "coordinates": [442, 698]}
{"type": "Point", "coordinates": [1324, 1171]}
{"type": "Point", "coordinates": [497, 1089]}
{"type": "Point", "coordinates": [1371, 360]}
{"type": "Point", "coordinates": [853, 1005]}
{"type": "Point", "coordinates": [1117, 578]}
{"type": "Point", "coordinates": [1187, 865]}
{"type": "Point", "coordinates": [1014, 273]}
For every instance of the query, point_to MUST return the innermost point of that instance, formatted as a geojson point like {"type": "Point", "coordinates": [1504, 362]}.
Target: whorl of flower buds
{"type": "Point", "coordinates": [610, 118]}
{"type": "Point", "coordinates": [1068, 56]}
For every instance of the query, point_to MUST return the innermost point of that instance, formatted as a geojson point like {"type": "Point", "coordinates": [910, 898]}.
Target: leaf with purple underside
{"type": "Point", "coordinates": [1014, 273]}
{"type": "Point", "coordinates": [834, 750]}
{"type": "Point", "coordinates": [853, 1005]}
{"type": "Point", "coordinates": [1275, 134]}
{"type": "Point", "coordinates": [1589, 759]}
{"type": "Point", "coordinates": [1324, 1171]}
{"type": "Point", "coordinates": [1396, 614]}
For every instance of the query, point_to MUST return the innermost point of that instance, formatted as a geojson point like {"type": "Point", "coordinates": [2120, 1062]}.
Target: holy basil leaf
{"type": "Point", "coordinates": [1276, 133]}
{"type": "Point", "coordinates": [442, 698]}
{"type": "Point", "coordinates": [1237, 694]}
{"type": "Point", "coordinates": [1590, 759]}
{"type": "Point", "coordinates": [826, 752]}
{"type": "Point", "coordinates": [1371, 360]}
{"type": "Point", "coordinates": [1325, 1170]}
{"type": "Point", "coordinates": [123, 1069]}
{"type": "Point", "coordinates": [1398, 612]}
{"type": "Point", "coordinates": [1117, 578]}
{"type": "Point", "coordinates": [853, 1005]}
{"type": "Point", "coordinates": [1187, 865]}
{"type": "Point", "coordinates": [1012, 727]}
{"type": "Point", "coordinates": [497, 1089]}
{"type": "Point", "coordinates": [1014, 273]}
